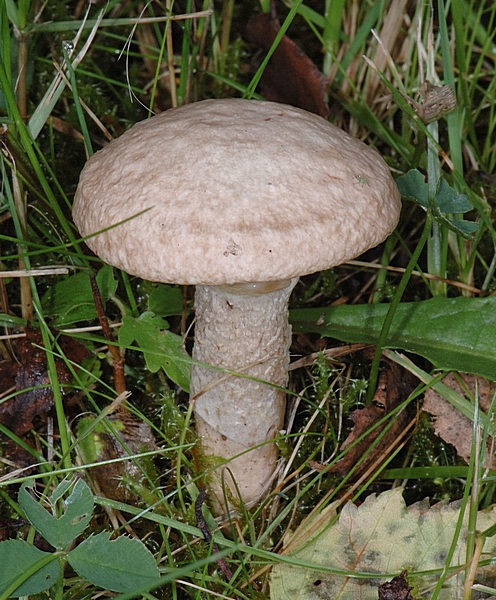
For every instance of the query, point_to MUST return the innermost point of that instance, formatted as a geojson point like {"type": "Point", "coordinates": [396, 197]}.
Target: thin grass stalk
{"type": "Point", "coordinates": [459, 524]}
{"type": "Point", "coordinates": [438, 243]}
{"type": "Point", "coordinates": [54, 92]}
{"type": "Point", "coordinates": [18, 194]}
{"type": "Point", "coordinates": [33, 153]}
{"type": "Point", "coordinates": [457, 14]}
{"type": "Point", "coordinates": [225, 35]}
{"type": "Point", "coordinates": [381, 277]}
{"type": "Point", "coordinates": [170, 58]}
{"type": "Point", "coordinates": [455, 120]}
{"type": "Point", "coordinates": [474, 496]}
{"type": "Point", "coordinates": [398, 294]}
{"type": "Point", "coordinates": [22, 69]}
{"type": "Point", "coordinates": [334, 11]}
{"type": "Point", "coordinates": [265, 5]}
{"type": "Point", "coordinates": [166, 43]}
{"type": "Point", "coordinates": [187, 56]}
{"type": "Point", "coordinates": [66, 48]}
{"type": "Point", "coordinates": [357, 46]}
{"type": "Point", "coordinates": [437, 246]}
{"type": "Point", "coordinates": [250, 90]}
{"type": "Point", "coordinates": [5, 49]}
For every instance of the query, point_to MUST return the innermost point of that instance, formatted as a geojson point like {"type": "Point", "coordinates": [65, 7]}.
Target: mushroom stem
{"type": "Point", "coordinates": [239, 415]}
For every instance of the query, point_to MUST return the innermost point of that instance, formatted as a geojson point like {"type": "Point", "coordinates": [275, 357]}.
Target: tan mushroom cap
{"type": "Point", "coordinates": [235, 191]}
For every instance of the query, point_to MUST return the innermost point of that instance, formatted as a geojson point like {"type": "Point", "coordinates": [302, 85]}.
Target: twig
{"type": "Point", "coordinates": [117, 359]}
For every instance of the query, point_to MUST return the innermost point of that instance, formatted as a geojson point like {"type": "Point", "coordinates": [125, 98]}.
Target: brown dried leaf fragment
{"type": "Point", "coordinates": [394, 386]}
{"type": "Point", "coordinates": [19, 412]}
{"type": "Point", "coordinates": [31, 379]}
{"type": "Point", "coordinates": [290, 76]}
{"type": "Point", "coordinates": [453, 427]}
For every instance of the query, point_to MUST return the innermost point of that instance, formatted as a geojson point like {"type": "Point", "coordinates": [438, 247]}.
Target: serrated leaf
{"type": "Point", "coordinates": [382, 536]}
{"type": "Point", "coordinates": [161, 348]}
{"type": "Point", "coordinates": [452, 333]}
{"type": "Point", "coordinates": [412, 185]}
{"type": "Point", "coordinates": [120, 565]}
{"type": "Point", "coordinates": [61, 531]}
{"type": "Point", "coordinates": [17, 557]}
{"type": "Point", "coordinates": [448, 200]}
{"type": "Point", "coordinates": [71, 300]}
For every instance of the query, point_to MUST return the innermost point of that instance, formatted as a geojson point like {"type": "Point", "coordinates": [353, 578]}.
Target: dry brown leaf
{"type": "Point", "coordinates": [22, 412]}
{"type": "Point", "coordinates": [290, 76]}
{"type": "Point", "coordinates": [394, 386]}
{"type": "Point", "coordinates": [453, 427]}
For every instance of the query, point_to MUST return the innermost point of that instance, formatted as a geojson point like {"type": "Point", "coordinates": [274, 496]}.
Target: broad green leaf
{"type": "Point", "coordinates": [121, 565]}
{"type": "Point", "coordinates": [61, 531]}
{"type": "Point", "coordinates": [380, 538]}
{"type": "Point", "coordinates": [161, 348]}
{"type": "Point", "coordinates": [466, 228]}
{"type": "Point", "coordinates": [448, 200]}
{"type": "Point", "coordinates": [452, 333]}
{"type": "Point", "coordinates": [459, 226]}
{"type": "Point", "coordinates": [17, 559]}
{"type": "Point", "coordinates": [71, 300]}
{"type": "Point", "coordinates": [412, 185]}
{"type": "Point", "coordinates": [165, 300]}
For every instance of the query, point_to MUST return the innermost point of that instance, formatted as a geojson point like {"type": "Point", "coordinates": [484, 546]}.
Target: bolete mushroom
{"type": "Point", "coordinates": [242, 197]}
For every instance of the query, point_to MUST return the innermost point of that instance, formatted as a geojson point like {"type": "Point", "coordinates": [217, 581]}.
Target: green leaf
{"type": "Point", "coordinates": [452, 333]}
{"type": "Point", "coordinates": [121, 565]}
{"type": "Point", "coordinates": [12, 12]}
{"type": "Point", "coordinates": [460, 227]}
{"type": "Point", "coordinates": [382, 537]}
{"type": "Point", "coordinates": [165, 300]}
{"type": "Point", "coordinates": [161, 349]}
{"type": "Point", "coordinates": [412, 185]}
{"type": "Point", "coordinates": [17, 559]}
{"type": "Point", "coordinates": [71, 300]}
{"type": "Point", "coordinates": [449, 200]}
{"type": "Point", "coordinates": [465, 228]}
{"type": "Point", "coordinates": [61, 531]}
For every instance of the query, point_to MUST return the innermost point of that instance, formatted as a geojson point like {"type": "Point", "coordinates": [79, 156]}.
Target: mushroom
{"type": "Point", "coordinates": [241, 197]}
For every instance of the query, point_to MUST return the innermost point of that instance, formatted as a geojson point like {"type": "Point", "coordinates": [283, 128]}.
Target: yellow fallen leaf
{"type": "Point", "coordinates": [376, 541]}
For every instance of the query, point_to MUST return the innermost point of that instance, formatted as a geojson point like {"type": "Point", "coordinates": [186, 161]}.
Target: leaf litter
{"type": "Point", "coordinates": [290, 76]}
{"type": "Point", "coordinates": [448, 422]}
{"type": "Point", "coordinates": [379, 539]}
{"type": "Point", "coordinates": [369, 424]}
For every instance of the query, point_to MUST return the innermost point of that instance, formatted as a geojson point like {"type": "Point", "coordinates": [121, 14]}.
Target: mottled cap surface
{"type": "Point", "coordinates": [228, 191]}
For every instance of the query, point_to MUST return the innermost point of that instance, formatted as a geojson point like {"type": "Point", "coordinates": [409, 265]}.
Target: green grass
{"type": "Point", "coordinates": [117, 63]}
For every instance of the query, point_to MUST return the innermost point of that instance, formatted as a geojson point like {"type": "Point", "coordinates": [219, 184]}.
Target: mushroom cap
{"type": "Point", "coordinates": [233, 191]}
